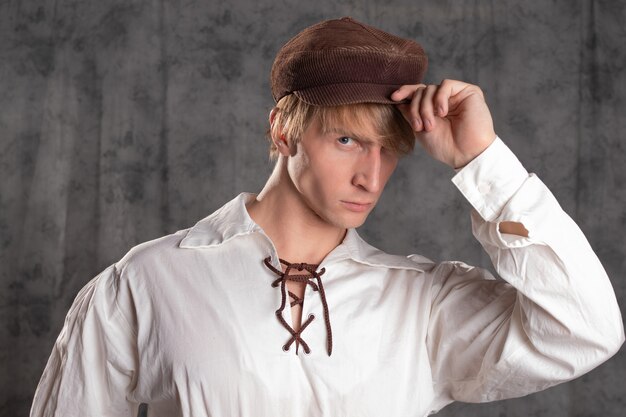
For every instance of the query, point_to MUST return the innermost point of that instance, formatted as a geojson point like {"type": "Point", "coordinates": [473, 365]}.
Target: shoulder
{"type": "Point", "coordinates": [152, 253]}
{"type": "Point", "coordinates": [366, 254]}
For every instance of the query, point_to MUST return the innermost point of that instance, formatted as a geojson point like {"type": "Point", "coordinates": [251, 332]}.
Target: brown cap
{"type": "Point", "coordinates": [343, 61]}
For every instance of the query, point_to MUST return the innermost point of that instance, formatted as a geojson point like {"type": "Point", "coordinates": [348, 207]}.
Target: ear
{"type": "Point", "coordinates": [279, 139]}
{"type": "Point", "coordinates": [273, 115]}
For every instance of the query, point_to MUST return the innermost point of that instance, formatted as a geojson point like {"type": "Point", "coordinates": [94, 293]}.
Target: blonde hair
{"type": "Point", "coordinates": [293, 116]}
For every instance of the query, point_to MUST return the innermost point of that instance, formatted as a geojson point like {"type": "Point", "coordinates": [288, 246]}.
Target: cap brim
{"type": "Point", "coordinates": [349, 93]}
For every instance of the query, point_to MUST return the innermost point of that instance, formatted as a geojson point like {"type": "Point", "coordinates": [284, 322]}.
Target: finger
{"type": "Point", "coordinates": [404, 92]}
{"type": "Point", "coordinates": [442, 98]}
{"type": "Point", "coordinates": [409, 111]}
{"type": "Point", "coordinates": [414, 115]}
{"type": "Point", "coordinates": [447, 91]}
{"type": "Point", "coordinates": [426, 109]}
{"type": "Point", "coordinates": [405, 109]}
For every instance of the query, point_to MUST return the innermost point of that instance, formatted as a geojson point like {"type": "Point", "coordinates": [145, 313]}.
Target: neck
{"type": "Point", "coordinates": [297, 232]}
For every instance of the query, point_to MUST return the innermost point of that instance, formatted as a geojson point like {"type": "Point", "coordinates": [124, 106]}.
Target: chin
{"type": "Point", "coordinates": [348, 222]}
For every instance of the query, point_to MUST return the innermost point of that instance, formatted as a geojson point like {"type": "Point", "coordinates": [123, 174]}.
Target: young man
{"type": "Point", "coordinates": [273, 305]}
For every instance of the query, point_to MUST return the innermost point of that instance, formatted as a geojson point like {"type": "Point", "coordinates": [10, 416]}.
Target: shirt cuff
{"type": "Point", "coordinates": [491, 179]}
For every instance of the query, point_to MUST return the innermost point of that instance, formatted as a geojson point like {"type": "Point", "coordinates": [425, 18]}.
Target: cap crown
{"type": "Point", "coordinates": [343, 61]}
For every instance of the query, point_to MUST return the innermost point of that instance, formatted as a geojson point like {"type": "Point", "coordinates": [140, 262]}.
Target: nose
{"type": "Point", "coordinates": [367, 173]}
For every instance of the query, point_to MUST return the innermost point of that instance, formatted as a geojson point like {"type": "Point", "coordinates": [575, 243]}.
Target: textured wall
{"type": "Point", "coordinates": [121, 121]}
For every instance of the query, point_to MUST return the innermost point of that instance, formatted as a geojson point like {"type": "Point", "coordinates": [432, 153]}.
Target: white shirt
{"type": "Point", "coordinates": [187, 322]}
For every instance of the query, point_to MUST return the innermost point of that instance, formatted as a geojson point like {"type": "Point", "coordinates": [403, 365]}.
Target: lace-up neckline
{"type": "Point", "coordinates": [313, 278]}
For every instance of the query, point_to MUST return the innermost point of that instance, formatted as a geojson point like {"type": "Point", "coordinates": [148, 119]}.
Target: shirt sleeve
{"type": "Point", "coordinates": [91, 369]}
{"type": "Point", "coordinates": [549, 317]}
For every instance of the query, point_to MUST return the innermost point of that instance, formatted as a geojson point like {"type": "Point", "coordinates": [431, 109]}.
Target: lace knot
{"type": "Point", "coordinates": [314, 280]}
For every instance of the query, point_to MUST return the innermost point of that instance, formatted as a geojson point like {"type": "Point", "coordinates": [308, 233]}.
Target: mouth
{"type": "Point", "coordinates": [355, 206]}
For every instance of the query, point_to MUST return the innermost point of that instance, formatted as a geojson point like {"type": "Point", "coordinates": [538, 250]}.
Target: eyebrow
{"type": "Point", "coordinates": [349, 134]}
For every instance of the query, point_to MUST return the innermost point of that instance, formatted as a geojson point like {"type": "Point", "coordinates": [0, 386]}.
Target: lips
{"type": "Point", "coordinates": [356, 206]}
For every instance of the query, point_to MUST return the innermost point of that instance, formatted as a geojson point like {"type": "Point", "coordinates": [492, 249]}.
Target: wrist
{"type": "Point", "coordinates": [460, 163]}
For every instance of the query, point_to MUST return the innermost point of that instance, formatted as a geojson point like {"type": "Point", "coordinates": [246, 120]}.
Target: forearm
{"type": "Point", "coordinates": [566, 306]}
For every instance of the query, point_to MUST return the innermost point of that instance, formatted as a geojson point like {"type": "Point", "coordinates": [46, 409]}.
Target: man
{"type": "Point", "coordinates": [273, 305]}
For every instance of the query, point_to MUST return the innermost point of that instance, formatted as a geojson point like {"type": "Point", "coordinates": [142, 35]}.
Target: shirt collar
{"type": "Point", "coordinates": [232, 220]}
{"type": "Point", "coordinates": [227, 222]}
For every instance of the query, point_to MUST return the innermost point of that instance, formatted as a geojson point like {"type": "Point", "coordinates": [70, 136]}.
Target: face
{"type": "Point", "coordinates": [340, 175]}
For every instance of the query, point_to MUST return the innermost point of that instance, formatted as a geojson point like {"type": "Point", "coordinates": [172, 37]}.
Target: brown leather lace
{"type": "Point", "coordinates": [313, 278]}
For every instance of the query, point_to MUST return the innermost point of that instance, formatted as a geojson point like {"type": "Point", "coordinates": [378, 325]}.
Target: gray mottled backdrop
{"type": "Point", "coordinates": [121, 121]}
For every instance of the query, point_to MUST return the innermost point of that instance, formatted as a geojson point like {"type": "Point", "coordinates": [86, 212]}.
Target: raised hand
{"type": "Point", "coordinates": [451, 120]}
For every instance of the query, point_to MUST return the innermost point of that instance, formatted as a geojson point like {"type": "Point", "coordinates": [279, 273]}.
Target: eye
{"type": "Point", "coordinates": [345, 140]}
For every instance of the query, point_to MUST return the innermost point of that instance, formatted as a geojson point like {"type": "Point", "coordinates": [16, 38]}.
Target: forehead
{"type": "Point", "coordinates": [358, 121]}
